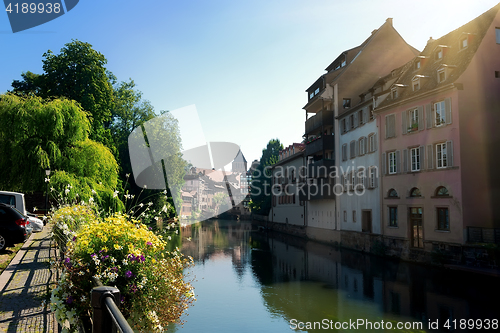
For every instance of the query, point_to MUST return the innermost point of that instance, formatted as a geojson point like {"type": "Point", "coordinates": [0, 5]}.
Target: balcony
{"type": "Point", "coordinates": [319, 191]}
{"type": "Point", "coordinates": [321, 168]}
{"type": "Point", "coordinates": [325, 142]}
{"type": "Point", "coordinates": [322, 118]}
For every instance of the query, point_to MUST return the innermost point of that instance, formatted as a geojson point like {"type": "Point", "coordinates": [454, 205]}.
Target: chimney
{"type": "Point", "coordinates": [430, 40]}
{"type": "Point", "coordinates": [389, 20]}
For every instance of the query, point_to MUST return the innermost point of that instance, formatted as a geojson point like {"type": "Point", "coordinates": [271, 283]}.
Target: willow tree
{"type": "Point", "coordinates": [36, 134]}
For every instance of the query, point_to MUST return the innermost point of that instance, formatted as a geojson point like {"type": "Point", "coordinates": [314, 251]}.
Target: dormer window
{"type": "Point", "coordinates": [394, 93]}
{"type": "Point", "coordinates": [417, 64]}
{"type": "Point", "coordinates": [416, 83]}
{"type": "Point", "coordinates": [464, 41]}
{"type": "Point", "coordinates": [441, 75]}
{"type": "Point", "coordinates": [347, 103]}
{"type": "Point", "coordinates": [439, 54]}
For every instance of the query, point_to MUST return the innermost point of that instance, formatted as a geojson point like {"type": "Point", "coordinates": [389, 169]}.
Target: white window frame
{"type": "Point", "coordinates": [439, 114]}
{"type": "Point", "coordinates": [362, 146]}
{"type": "Point", "coordinates": [439, 54]}
{"type": "Point", "coordinates": [412, 119]}
{"type": "Point", "coordinates": [462, 40]}
{"type": "Point", "coordinates": [371, 143]}
{"type": "Point", "coordinates": [415, 159]}
{"type": "Point", "coordinates": [394, 93]}
{"type": "Point", "coordinates": [441, 155]}
{"type": "Point", "coordinates": [391, 158]}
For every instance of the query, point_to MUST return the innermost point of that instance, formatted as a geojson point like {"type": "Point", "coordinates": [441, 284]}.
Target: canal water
{"type": "Point", "coordinates": [251, 280]}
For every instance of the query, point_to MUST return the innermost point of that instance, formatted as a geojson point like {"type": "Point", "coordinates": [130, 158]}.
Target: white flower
{"type": "Point", "coordinates": [141, 204]}
{"type": "Point", "coordinates": [150, 203]}
{"type": "Point", "coordinates": [66, 191]}
{"type": "Point", "coordinates": [47, 180]}
{"type": "Point", "coordinates": [128, 175]}
{"type": "Point", "coordinates": [165, 192]}
{"type": "Point", "coordinates": [51, 189]}
{"type": "Point", "coordinates": [145, 186]}
{"type": "Point", "coordinates": [91, 200]}
{"type": "Point", "coordinates": [83, 298]}
{"type": "Point", "coordinates": [115, 194]}
{"type": "Point", "coordinates": [93, 191]}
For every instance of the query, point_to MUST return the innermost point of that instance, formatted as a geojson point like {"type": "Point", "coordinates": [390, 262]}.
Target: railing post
{"type": "Point", "coordinates": [101, 318]}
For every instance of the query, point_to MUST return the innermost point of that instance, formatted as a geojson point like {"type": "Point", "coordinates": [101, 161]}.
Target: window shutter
{"type": "Point", "coordinates": [387, 131]}
{"type": "Point", "coordinates": [447, 105]}
{"type": "Point", "coordinates": [405, 160]}
{"type": "Point", "coordinates": [356, 148]}
{"type": "Point", "coordinates": [365, 144]}
{"type": "Point", "coordinates": [404, 122]}
{"type": "Point", "coordinates": [355, 119]}
{"type": "Point", "coordinates": [449, 153]}
{"type": "Point", "coordinates": [429, 156]}
{"type": "Point", "coordinates": [365, 115]}
{"type": "Point", "coordinates": [384, 164]}
{"type": "Point", "coordinates": [420, 118]}
{"type": "Point", "coordinates": [375, 179]}
{"type": "Point", "coordinates": [398, 161]}
{"type": "Point", "coordinates": [347, 124]}
{"type": "Point", "coordinates": [421, 156]}
{"type": "Point", "coordinates": [428, 115]}
{"type": "Point", "coordinates": [375, 142]}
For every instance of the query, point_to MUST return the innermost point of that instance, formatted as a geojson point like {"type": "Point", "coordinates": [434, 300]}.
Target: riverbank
{"type": "Point", "coordinates": [476, 258]}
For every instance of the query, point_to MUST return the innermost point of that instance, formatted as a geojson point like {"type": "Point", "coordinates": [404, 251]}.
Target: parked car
{"type": "Point", "coordinates": [16, 200]}
{"type": "Point", "coordinates": [14, 226]}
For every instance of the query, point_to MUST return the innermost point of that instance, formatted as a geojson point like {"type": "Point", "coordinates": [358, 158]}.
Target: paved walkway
{"type": "Point", "coordinates": [25, 284]}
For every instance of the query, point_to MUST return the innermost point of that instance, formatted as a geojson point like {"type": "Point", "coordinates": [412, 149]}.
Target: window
{"type": "Point", "coordinates": [392, 162]}
{"type": "Point", "coordinates": [417, 65]}
{"type": "Point", "coordinates": [415, 159]}
{"type": "Point", "coordinates": [353, 216]}
{"type": "Point", "coordinates": [440, 113]}
{"type": "Point", "coordinates": [345, 216]}
{"type": "Point", "coordinates": [353, 179]}
{"type": "Point", "coordinates": [393, 216]}
{"type": "Point", "coordinates": [347, 103]}
{"type": "Point", "coordinates": [372, 143]}
{"type": "Point", "coordinates": [390, 126]}
{"type": "Point", "coordinates": [362, 146]}
{"type": "Point", "coordinates": [413, 120]}
{"type": "Point", "coordinates": [353, 149]}
{"type": "Point", "coordinates": [463, 42]}
{"type": "Point", "coordinates": [415, 192]}
{"type": "Point", "coordinates": [439, 54]}
{"type": "Point", "coordinates": [372, 177]}
{"type": "Point", "coordinates": [443, 219]}
{"type": "Point", "coordinates": [370, 111]}
{"type": "Point", "coordinates": [343, 126]}
{"type": "Point", "coordinates": [351, 121]}
{"type": "Point", "coordinates": [442, 191]}
{"type": "Point", "coordinates": [392, 193]}
{"type": "Point", "coordinates": [360, 117]}
{"type": "Point", "coordinates": [441, 75]}
{"type": "Point", "coordinates": [416, 85]}
{"type": "Point", "coordinates": [394, 93]}
{"type": "Point", "coordinates": [316, 91]}
{"type": "Point", "coordinates": [311, 95]}
{"type": "Point", "coordinates": [344, 152]}
{"type": "Point", "coordinates": [497, 30]}
{"type": "Point", "coordinates": [441, 156]}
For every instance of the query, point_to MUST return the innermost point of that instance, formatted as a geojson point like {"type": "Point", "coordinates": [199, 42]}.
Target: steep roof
{"type": "Point", "coordinates": [455, 59]}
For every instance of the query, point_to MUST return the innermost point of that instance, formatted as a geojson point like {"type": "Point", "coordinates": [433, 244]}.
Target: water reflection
{"type": "Point", "coordinates": [253, 281]}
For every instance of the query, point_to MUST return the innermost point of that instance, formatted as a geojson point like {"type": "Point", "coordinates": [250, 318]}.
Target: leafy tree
{"type": "Point", "coordinates": [37, 134]}
{"type": "Point", "coordinates": [78, 73]}
{"type": "Point", "coordinates": [261, 178]}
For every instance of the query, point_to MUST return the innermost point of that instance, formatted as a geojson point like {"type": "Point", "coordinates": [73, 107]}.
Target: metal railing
{"type": "Point", "coordinates": [483, 235]}
{"type": "Point", "coordinates": [106, 316]}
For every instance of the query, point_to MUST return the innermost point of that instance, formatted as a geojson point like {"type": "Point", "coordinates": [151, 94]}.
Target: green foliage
{"type": "Point", "coordinates": [121, 252]}
{"type": "Point", "coordinates": [261, 178]}
{"type": "Point", "coordinates": [38, 134]}
{"type": "Point", "coordinates": [78, 73]}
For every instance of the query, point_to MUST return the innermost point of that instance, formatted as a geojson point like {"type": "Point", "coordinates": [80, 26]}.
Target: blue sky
{"type": "Point", "coordinates": [244, 64]}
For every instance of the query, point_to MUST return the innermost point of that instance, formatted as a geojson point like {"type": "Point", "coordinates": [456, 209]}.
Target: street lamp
{"type": "Point", "coordinates": [47, 173]}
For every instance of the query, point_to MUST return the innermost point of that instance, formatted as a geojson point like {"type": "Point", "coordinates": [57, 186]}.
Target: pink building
{"type": "Point", "coordinates": [439, 131]}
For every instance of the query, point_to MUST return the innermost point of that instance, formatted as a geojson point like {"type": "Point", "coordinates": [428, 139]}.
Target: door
{"type": "Point", "coordinates": [416, 228]}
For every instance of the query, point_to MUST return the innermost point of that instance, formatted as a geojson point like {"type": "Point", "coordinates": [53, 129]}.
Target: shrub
{"type": "Point", "coordinates": [122, 252]}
